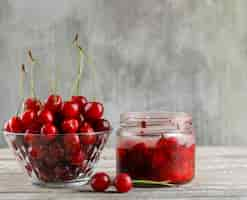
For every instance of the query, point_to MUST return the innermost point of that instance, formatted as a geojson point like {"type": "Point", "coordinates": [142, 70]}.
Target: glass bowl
{"type": "Point", "coordinates": [67, 161]}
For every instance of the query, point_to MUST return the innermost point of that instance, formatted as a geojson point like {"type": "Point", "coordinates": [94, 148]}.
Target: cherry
{"type": "Point", "coordinates": [102, 125]}
{"type": "Point", "coordinates": [77, 158]}
{"type": "Point", "coordinates": [28, 117]}
{"type": "Point", "coordinates": [30, 138]}
{"type": "Point", "coordinates": [49, 161]}
{"type": "Point", "coordinates": [80, 100]}
{"type": "Point", "coordinates": [161, 143]}
{"type": "Point", "coordinates": [140, 148]}
{"type": "Point", "coordinates": [32, 104]}
{"type": "Point", "coordinates": [34, 127]}
{"type": "Point", "coordinates": [86, 127]}
{"type": "Point", "coordinates": [15, 125]}
{"type": "Point", "coordinates": [123, 182]}
{"type": "Point", "coordinates": [171, 143]}
{"type": "Point", "coordinates": [71, 142]}
{"type": "Point", "coordinates": [45, 175]}
{"type": "Point", "coordinates": [93, 110]}
{"type": "Point", "coordinates": [63, 172]}
{"type": "Point", "coordinates": [54, 103]}
{"type": "Point", "coordinates": [100, 181]}
{"type": "Point", "coordinates": [56, 151]}
{"type": "Point", "coordinates": [168, 143]}
{"type": "Point", "coordinates": [6, 126]}
{"type": "Point", "coordinates": [87, 134]}
{"type": "Point", "coordinates": [36, 152]}
{"type": "Point", "coordinates": [45, 116]}
{"type": "Point", "coordinates": [49, 132]}
{"type": "Point", "coordinates": [138, 155]}
{"type": "Point", "coordinates": [159, 159]}
{"type": "Point", "coordinates": [70, 125]}
{"type": "Point", "coordinates": [70, 109]}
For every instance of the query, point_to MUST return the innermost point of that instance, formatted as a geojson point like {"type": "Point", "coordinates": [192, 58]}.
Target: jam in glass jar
{"type": "Point", "coordinates": [156, 146]}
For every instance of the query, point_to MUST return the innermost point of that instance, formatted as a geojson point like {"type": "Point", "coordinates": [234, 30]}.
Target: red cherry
{"type": "Point", "coordinates": [49, 132]}
{"type": "Point", "coordinates": [70, 125]}
{"type": "Point", "coordinates": [15, 125]}
{"type": "Point", "coordinates": [28, 117]}
{"type": "Point", "coordinates": [30, 138]}
{"type": "Point", "coordinates": [161, 143]}
{"type": "Point", "coordinates": [56, 151]}
{"type": "Point", "coordinates": [49, 162]}
{"type": "Point", "coordinates": [34, 127]}
{"type": "Point", "coordinates": [36, 152]}
{"type": "Point", "coordinates": [140, 147]}
{"type": "Point", "coordinates": [32, 104]}
{"type": "Point", "coordinates": [87, 134]}
{"type": "Point", "coordinates": [159, 159]}
{"type": "Point", "coordinates": [123, 182]}
{"type": "Point", "coordinates": [77, 158]}
{"type": "Point", "coordinates": [70, 109]}
{"type": "Point", "coordinates": [139, 155]}
{"type": "Point", "coordinates": [80, 100]}
{"type": "Point", "coordinates": [93, 110]}
{"type": "Point", "coordinates": [71, 143]}
{"type": "Point", "coordinates": [100, 181]}
{"type": "Point", "coordinates": [45, 175]}
{"type": "Point", "coordinates": [167, 143]}
{"type": "Point", "coordinates": [102, 125]}
{"type": "Point", "coordinates": [63, 172]}
{"type": "Point", "coordinates": [6, 126]}
{"type": "Point", "coordinates": [172, 142]}
{"type": "Point", "coordinates": [45, 116]}
{"type": "Point", "coordinates": [54, 103]}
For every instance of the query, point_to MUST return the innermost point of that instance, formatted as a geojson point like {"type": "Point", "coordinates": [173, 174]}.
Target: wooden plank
{"type": "Point", "coordinates": [110, 196]}
{"type": "Point", "coordinates": [148, 193]}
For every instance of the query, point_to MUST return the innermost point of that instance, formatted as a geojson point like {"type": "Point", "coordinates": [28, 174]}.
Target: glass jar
{"type": "Point", "coordinates": [156, 146]}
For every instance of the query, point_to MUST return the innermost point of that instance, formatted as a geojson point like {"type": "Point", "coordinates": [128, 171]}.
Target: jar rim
{"type": "Point", "coordinates": [153, 115]}
{"type": "Point", "coordinates": [173, 120]}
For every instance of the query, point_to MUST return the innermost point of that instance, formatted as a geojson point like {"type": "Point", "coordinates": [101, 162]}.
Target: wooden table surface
{"type": "Point", "coordinates": [221, 173]}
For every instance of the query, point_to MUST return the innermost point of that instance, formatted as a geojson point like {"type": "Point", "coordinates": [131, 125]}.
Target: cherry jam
{"type": "Point", "coordinates": [162, 150]}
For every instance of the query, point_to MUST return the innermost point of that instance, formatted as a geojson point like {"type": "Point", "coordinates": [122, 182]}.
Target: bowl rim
{"type": "Point", "coordinates": [4, 132]}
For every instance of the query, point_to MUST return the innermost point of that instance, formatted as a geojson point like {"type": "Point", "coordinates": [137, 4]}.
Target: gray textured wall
{"type": "Point", "coordinates": [176, 55]}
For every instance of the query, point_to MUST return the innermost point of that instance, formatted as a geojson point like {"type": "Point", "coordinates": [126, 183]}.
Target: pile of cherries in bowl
{"type": "Point", "coordinates": [58, 141]}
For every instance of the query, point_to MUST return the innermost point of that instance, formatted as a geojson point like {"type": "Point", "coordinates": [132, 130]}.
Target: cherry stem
{"type": "Point", "coordinates": [22, 79]}
{"type": "Point", "coordinates": [21, 89]}
{"type": "Point", "coordinates": [53, 81]}
{"type": "Point", "coordinates": [88, 60]}
{"type": "Point", "coordinates": [56, 78]}
{"type": "Point", "coordinates": [152, 183]}
{"type": "Point", "coordinates": [33, 62]}
{"type": "Point", "coordinates": [19, 108]}
{"type": "Point", "coordinates": [77, 83]}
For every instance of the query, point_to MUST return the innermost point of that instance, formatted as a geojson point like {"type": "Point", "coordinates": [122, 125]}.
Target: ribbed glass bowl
{"type": "Point", "coordinates": [51, 164]}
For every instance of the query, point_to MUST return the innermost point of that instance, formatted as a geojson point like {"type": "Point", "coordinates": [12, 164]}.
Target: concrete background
{"type": "Point", "coordinates": [176, 55]}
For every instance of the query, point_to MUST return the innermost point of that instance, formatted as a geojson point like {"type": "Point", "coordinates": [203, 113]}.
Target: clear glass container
{"type": "Point", "coordinates": [54, 164]}
{"type": "Point", "coordinates": [156, 146]}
